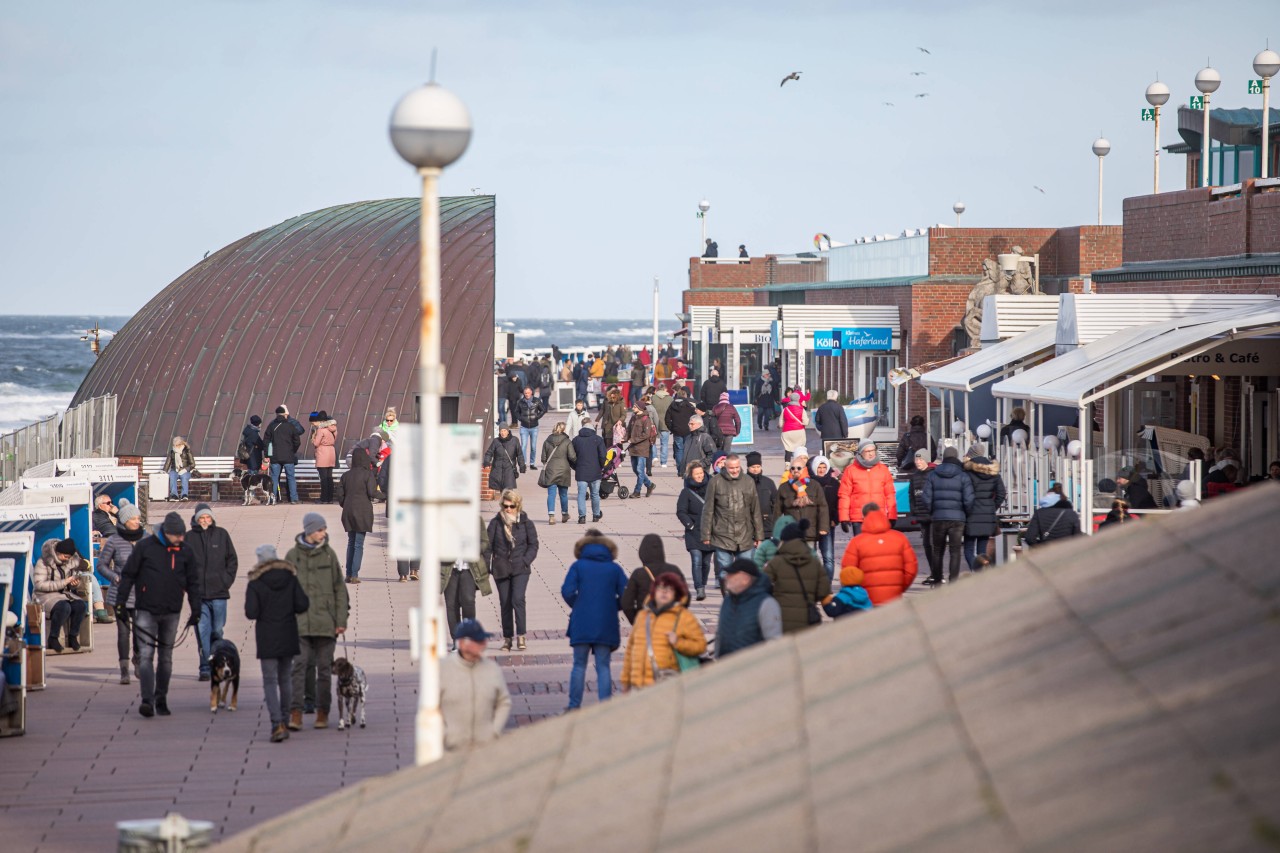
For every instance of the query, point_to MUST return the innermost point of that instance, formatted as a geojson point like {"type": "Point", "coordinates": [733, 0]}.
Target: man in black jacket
{"type": "Point", "coordinates": [529, 410]}
{"type": "Point", "coordinates": [283, 437]}
{"type": "Point", "coordinates": [587, 455]}
{"type": "Point", "coordinates": [766, 489]}
{"type": "Point", "coordinates": [832, 422]}
{"type": "Point", "coordinates": [677, 421]}
{"type": "Point", "coordinates": [216, 564]}
{"type": "Point", "coordinates": [162, 569]}
{"type": "Point", "coordinates": [711, 391]}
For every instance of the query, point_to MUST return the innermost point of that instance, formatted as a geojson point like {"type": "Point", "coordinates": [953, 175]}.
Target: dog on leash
{"type": "Point", "coordinates": [224, 671]}
{"type": "Point", "coordinates": [257, 488]}
{"type": "Point", "coordinates": [353, 688]}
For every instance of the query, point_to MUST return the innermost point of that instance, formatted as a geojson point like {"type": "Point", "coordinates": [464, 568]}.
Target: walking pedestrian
{"type": "Point", "coordinates": [866, 480]}
{"type": "Point", "coordinates": [981, 522]}
{"type": "Point", "coordinates": [504, 459]}
{"type": "Point", "coordinates": [665, 631]}
{"type": "Point", "coordinates": [712, 249]}
{"type": "Point", "coordinates": [662, 400]}
{"type": "Point", "coordinates": [804, 500]}
{"type": "Point", "coordinates": [324, 441]}
{"type": "Point", "coordinates": [573, 423]}
{"type": "Point", "coordinates": [1055, 519]}
{"type": "Point", "coordinates": [593, 589]}
{"type": "Point", "coordinates": [711, 390]}
{"type": "Point", "coordinates": [110, 564]}
{"type": "Point", "coordinates": [795, 417]}
{"type": "Point", "coordinates": [252, 448]}
{"type": "Point", "coordinates": [913, 441]}
{"type": "Point", "coordinates": [800, 583]}
{"type": "Point", "coordinates": [589, 455]}
{"type": "Point", "coordinates": [825, 478]}
{"type": "Point", "coordinates": [689, 509]}
{"type": "Point", "coordinates": [727, 420]}
{"type": "Point", "coordinates": [474, 700]}
{"type": "Point", "coordinates": [179, 464]}
{"type": "Point", "coordinates": [766, 489]}
{"type": "Point", "coordinates": [325, 619]}
{"type": "Point", "coordinates": [749, 614]}
{"type": "Point", "coordinates": [613, 411]}
{"type": "Point", "coordinates": [459, 581]}
{"type": "Point", "coordinates": [513, 546]}
{"type": "Point", "coordinates": [557, 471]}
{"type": "Point", "coordinates": [698, 446]}
{"type": "Point", "coordinates": [283, 437]}
{"type": "Point", "coordinates": [948, 497]}
{"type": "Point", "coordinates": [653, 562]}
{"type": "Point", "coordinates": [529, 411]}
{"type": "Point", "coordinates": [731, 522]}
{"type": "Point", "coordinates": [639, 377]}
{"type": "Point", "coordinates": [766, 399]}
{"type": "Point", "coordinates": [920, 511]}
{"type": "Point", "coordinates": [216, 566]}
{"type": "Point", "coordinates": [356, 491]}
{"type": "Point", "coordinates": [62, 591]}
{"type": "Point", "coordinates": [887, 560]}
{"type": "Point", "coordinates": [679, 413]}
{"type": "Point", "coordinates": [512, 392]}
{"type": "Point", "coordinates": [641, 433]}
{"type": "Point", "coordinates": [274, 600]}
{"type": "Point", "coordinates": [832, 421]}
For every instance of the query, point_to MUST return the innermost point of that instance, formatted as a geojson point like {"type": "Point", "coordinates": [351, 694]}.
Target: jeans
{"type": "Point", "coordinates": [973, 546]}
{"type": "Point", "coordinates": [277, 686]}
{"type": "Point", "coordinates": [529, 440]}
{"type": "Point", "coordinates": [578, 678]}
{"type": "Point", "coordinates": [70, 614]}
{"type": "Point", "coordinates": [664, 437]}
{"type": "Point", "coordinates": [594, 486]}
{"type": "Point", "coordinates": [213, 618]}
{"type": "Point", "coordinates": [552, 491]}
{"type": "Point", "coordinates": [724, 558]}
{"type": "Point", "coordinates": [641, 466]}
{"type": "Point", "coordinates": [126, 645]}
{"type": "Point", "coordinates": [511, 599]}
{"type": "Point", "coordinates": [700, 563]}
{"type": "Point", "coordinates": [459, 598]}
{"type": "Point", "coordinates": [502, 410]}
{"type": "Point", "coordinates": [153, 627]}
{"type": "Point", "coordinates": [948, 533]}
{"type": "Point", "coordinates": [827, 549]}
{"type": "Point", "coordinates": [317, 652]}
{"type": "Point", "coordinates": [355, 554]}
{"type": "Point", "coordinates": [174, 477]}
{"type": "Point", "coordinates": [677, 447]}
{"type": "Point", "coordinates": [288, 472]}
{"type": "Point", "coordinates": [930, 552]}
{"type": "Point", "coordinates": [764, 414]}
{"type": "Point", "coordinates": [326, 485]}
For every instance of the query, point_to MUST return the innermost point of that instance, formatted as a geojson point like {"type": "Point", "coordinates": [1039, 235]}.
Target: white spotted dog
{"type": "Point", "coordinates": [353, 689]}
{"type": "Point", "coordinates": [257, 489]}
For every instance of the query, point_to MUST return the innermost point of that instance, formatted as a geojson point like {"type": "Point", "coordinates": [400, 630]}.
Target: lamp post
{"type": "Point", "coordinates": [703, 207]}
{"type": "Point", "coordinates": [1101, 147]}
{"type": "Point", "coordinates": [430, 128]}
{"type": "Point", "coordinates": [1265, 65]}
{"type": "Point", "coordinates": [653, 357]}
{"type": "Point", "coordinates": [1207, 81]}
{"type": "Point", "coordinates": [1157, 96]}
{"type": "Point", "coordinates": [958, 207]}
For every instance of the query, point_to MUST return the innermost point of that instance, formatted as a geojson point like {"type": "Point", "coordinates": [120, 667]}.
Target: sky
{"type": "Point", "coordinates": [136, 136]}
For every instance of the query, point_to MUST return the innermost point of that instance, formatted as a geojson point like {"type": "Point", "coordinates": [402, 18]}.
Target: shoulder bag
{"type": "Point", "coordinates": [544, 479]}
{"type": "Point", "coordinates": [811, 607]}
{"type": "Point", "coordinates": [1044, 534]}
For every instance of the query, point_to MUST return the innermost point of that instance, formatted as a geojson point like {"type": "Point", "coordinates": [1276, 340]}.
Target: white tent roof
{"type": "Point", "coordinates": [1075, 377]}
{"type": "Point", "coordinates": [968, 372]}
{"type": "Point", "coordinates": [1005, 315]}
{"type": "Point", "coordinates": [1088, 317]}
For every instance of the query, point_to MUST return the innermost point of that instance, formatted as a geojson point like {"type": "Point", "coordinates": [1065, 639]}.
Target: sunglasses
{"type": "Point", "coordinates": [508, 506]}
{"type": "Point", "coordinates": [797, 468]}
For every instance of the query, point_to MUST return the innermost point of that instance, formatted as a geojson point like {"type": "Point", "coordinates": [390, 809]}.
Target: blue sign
{"type": "Point", "coordinates": [836, 341]}
{"type": "Point", "coordinates": [826, 343]}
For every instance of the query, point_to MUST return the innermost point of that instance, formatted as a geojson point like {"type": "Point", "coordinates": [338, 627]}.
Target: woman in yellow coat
{"type": "Point", "coordinates": [673, 628]}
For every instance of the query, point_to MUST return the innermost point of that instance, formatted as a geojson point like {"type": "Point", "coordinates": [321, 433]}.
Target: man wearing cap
{"type": "Point", "coordinates": [216, 563]}
{"type": "Point", "coordinates": [731, 522]}
{"type": "Point", "coordinates": [866, 480]}
{"type": "Point", "coordinates": [948, 497]}
{"type": "Point", "coordinates": [321, 578]}
{"type": "Point", "coordinates": [283, 437]}
{"type": "Point", "coordinates": [162, 568]}
{"type": "Point", "coordinates": [474, 700]}
{"type": "Point", "coordinates": [749, 613]}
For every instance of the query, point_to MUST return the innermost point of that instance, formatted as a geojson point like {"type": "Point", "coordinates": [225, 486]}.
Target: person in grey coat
{"type": "Point", "coordinates": [731, 521]}
{"type": "Point", "coordinates": [557, 471]}
{"type": "Point", "coordinates": [831, 420]}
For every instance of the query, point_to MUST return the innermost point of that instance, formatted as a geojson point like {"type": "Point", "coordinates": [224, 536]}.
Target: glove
{"type": "Point", "coordinates": [845, 526]}
{"type": "Point", "coordinates": [194, 621]}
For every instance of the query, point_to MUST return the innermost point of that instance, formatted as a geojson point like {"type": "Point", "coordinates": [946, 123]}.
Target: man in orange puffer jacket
{"type": "Point", "coordinates": [866, 480]}
{"type": "Point", "coordinates": [887, 560]}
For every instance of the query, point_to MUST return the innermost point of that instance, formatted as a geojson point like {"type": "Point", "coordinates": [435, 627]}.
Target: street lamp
{"type": "Point", "coordinates": [703, 207]}
{"type": "Point", "coordinates": [430, 128]}
{"type": "Point", "coordinates": [1157, 96]}
{"type": "Point", "coordinates": [1101, 147]}
{"type": "Point", "coordinates": [958, 207]}
{"type": "Point", "coordinates": [1207, 81]}
{"type": "Point", "coordinates": [1265, 65]}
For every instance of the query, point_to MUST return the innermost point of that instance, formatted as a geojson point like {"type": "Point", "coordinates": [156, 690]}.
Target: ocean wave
{"type": "Point", "coordinates": [20, 405]}
{"type": "Point", "coordinates": [530, 333]}
{"type": "Point", "coordinates": [53, 336]}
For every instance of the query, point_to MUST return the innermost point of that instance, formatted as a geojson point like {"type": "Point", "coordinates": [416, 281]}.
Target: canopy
{"type": "Point", "coordinates": [992, 361]}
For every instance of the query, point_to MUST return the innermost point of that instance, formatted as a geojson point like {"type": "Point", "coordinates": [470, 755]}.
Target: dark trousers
{"type": "Point", "coordinates": [930, 552]}
{"type": "Point", "coordinates": [69, 614]}
{"type": "Point", "coordinates": [973, 546]}
{"type": "Point", "coordinates": [326, 485]}
{"type": "Point", "coordinates": [316, 652]}
{"type": "Point", "coordinates": [126, 645]}
{"type": "Point", "coordinates": [277, 687]}
{"type": "Point", "coordinates": [404, 567]}
{"type": "Point", "coordinates": [155, 633]}
{"type": "Point", "coordinates": [460, 598]}
{"type": "Point", "coordinates": [948, 533]}
{"type": "Point", "coordinates": [511, 598]}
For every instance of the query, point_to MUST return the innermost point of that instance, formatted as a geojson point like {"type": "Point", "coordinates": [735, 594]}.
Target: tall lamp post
{"type": "Point", "coordinates": [1157, 96]}
{"type": "Point", "coordinates": [1101, 147]}
{"type": "Point", "coordinates": [703, 207]}
{"type": "Point", "coordinates": [1207, 81]}
{"type": "Point", "coordinates": [430, 128]}
{"type": "Point", "coordinates": [958, 207]}
{"type": "Point", "coordinates": [1266, 65]}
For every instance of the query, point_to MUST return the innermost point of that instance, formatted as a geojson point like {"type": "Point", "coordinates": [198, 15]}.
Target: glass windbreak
{"type": "Point", "coordinates": [875, 379]}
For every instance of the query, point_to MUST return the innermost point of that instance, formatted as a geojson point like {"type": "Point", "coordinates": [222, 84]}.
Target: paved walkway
{"type": "Point", "coordinates": [88, 759]}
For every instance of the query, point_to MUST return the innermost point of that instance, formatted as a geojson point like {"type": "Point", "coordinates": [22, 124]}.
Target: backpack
{"type": "Point", "coordinates": [545, 375]}
{"type": "Point", "coordinates": [242, 452]}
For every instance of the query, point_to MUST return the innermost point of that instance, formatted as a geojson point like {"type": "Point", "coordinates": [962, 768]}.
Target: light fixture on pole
{"type": "Point", "coordinates": [1157, 96]}
{"type": "Point", "coordinates": [653, 358]}
{"type": "Point", "coordinates": [1101, 147]}
{"type": "Point", "coordinates": [430, 128]}
{"type": "Point", "coordinates": [1207, 81]}
{"type": "Point", "coordinates": [1266, 65]}
{"type": "Point", "coordinates": [703, 207]}
{"type": "Point", "coordinates": [958, 207]}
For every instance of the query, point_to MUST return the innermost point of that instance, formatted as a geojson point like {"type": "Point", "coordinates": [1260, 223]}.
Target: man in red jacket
{"type": "Point", "coordinates": [887, 560]}
{"type": "Point", "coordinates": [866, 480]}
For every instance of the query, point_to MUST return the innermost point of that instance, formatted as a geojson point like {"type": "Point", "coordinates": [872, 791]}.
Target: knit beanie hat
{"type": "Point", "coordinates": [819, 460]}
{"type": "Point", "coordinates": [266, 553]}
{"type": "Point", "coordinates": [923, 453]}
{"type": "Point", "coordinates": [203, 509]}
{"type": "Point", "coordinates": [66, 547]}
{"type": "Point", "coordinates": [795, 531]}
{"type": "Point", "coordinates": [800, 453]}
{"type": "Point", "coordinates": [127, 511]}
{"type": "Point", "coordinates": [951, 453]}
{"type": "Point", "coordinates": [864, 444]}
{"type": "Point", "coordinates": [255, 420]}
{"type": "Point", "coordinates": [754, 458]}
{"type": "Point", "coordinates": [743, 565]}
{"type": "Point", "coordinates": [173, 525]}
{"type": "Point", "coordinates": [313, 521]}
{"type": "Point", "coordinates": [851, 576]}
{"type": "Point", "coordinates": [724, 396]}
{"type": "Point", "coordinates": [1186, 490]}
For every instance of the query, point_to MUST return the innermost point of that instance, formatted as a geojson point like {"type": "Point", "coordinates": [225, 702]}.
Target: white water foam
{"type": "Point", "coordinates": [20, 405]}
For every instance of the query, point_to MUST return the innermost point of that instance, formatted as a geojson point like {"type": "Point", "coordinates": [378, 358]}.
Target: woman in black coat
{"type": "Point", "coordinates": [513, 543]}
{"type": "Point", "coordinates": [356, 491]}
{"type": "Point", "coordinates": [989, 494]}
{"type": "Point", "coordinates": [689, 506]}
{"type": "Point", "coordinates": [1055, 519]}
{"type": "Point", "coordinates": [505, 460]}
{"type": "Point", "coordinates": [274, 598]}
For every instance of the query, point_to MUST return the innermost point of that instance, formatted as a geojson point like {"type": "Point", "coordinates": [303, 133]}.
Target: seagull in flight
{"type": "Point", "coordinates": [887, 103]}
{"type": "Point", "coordinates": [917, 73]}
{"type": "Point", "coordinates": [923, 95]}
{"type": "Point", "coordinates": [794, 75]}
{"type": "Point", "coordinates": [924, 50]}
{"type": "Point", "coordinates": [1038, 188]}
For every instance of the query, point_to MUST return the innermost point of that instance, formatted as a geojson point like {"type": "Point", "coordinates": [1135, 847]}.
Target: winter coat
{"type": "Point", "coordinates": [49, 578]}
{"type": "Point", "coordinates": [216, 560]}
{"type": "Point", "coordinates": [593, 589]}
{"type": "Point", "coordinates": [324, 441]}
{"type": "Point", "coordinates": [799, 580]}
{"type": "Point", "coordinates": [589, 456]}
{"type": "Point", "coordinates": [274, 599]}
{"type": "Point", "coordinates": [514, 392]}
{"type": "Point", "coordinates": [1007, 431]}
{"type": "Point", "coordinates": [662, 404]}
{"type": "Point", "coordinates": [850, 599]}
{"type": "Point", "coordinates": [104, 523]}
{"type": "Point", "coordinates": [1054, 522]}
{"type": "Point", "coordinates": [948, 492]}
{"type": "Point", "coordinates": [709, 394]}
{"type": "Point", "coordinates": [505, 460]}
{"type": "Point", "coordinates": [915, 493]}
{"type": "Point", "coordinates": [321, 577]}
{"type": "Point", "coordinates": [479, 568]}
{"type": "Point", "coordinates": [515, 556]}
{"type": "Point", "coordinates": [887, 560]}
{"type": "Point", "coordinates": [677, 417]}
{"type": "Point", "coordinates": [613, 411]}
{"type": "Point", "coordinates": [638, 440]}
{"type": "Point", "coordinates": [573, 423]}
{"type": "Point", "coordinates": [161, 573]}
{"type": "Point", "coordinates": [988, 496]}
{"type": "Point", "coordinates": [283, 436]}
{"type": "Point", "coordinates": [474, 701]}
{"type": "Point", "coordinates": [529, 410]}
{"type": "Point", "coordinates": [912, 440]}
{"type": "Point", "coordinates": [767, 492]}
{"type": "Point", "coordinates": [860, 486]}
{"type": "Point", "coordinates": [831, 488]}
{"type": "Point", "coordinates": [637, 668]}
{"type": "Point", "coordinates": [747, 618]}
{"type": "Point", "coordinates": [728, 419]}
{"type": "Point", "coordinates": [1139, 495]}
{"type": "Point", "coordinates": [832, 422]}
{"type": "Point", "coordinates": [252, 439]}
{"type": "Point", "coordinates": [355, 493]}
{"type": "Point", "coordinates": [638, 376]}
{"type": "Point", "coordinates": [766, 395]}
{"type": "Point", "coordinates": [689, 507]}
{"type": "Point", "coordinates": [653, 562]}
{"type": "Point", "coordinates": [557, 469]}
{"type": "Point", "coordinates": [731, 519]}
{"type": "Point", "coordinates": [794, 414]}
{"type": "Point", "coordinates": [699, 447]}
{"type": "Point", "coordinates": [817, 512]}
{"type": "Point", "coordinates": [768, 548]}
{"type": "Point", "coordinates": [112, 559]}
{"type": "Point", "coordinates": [186, 462]}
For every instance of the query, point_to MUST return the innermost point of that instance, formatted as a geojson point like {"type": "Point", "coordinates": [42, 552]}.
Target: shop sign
{"type": "Point", "coordinates": [1236, 358]}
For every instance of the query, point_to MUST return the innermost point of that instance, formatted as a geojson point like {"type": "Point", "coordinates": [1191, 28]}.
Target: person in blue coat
{"type": "Point", "coordinates": [587, 456]}
{"type": "Point", "coordinates": [593, 588]}
{"type": "Point", "coordinates": [948, 498]}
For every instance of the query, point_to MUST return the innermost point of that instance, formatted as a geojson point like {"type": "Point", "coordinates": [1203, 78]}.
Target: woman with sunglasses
{"type": "Point", "coordinates": [513, 544]}
{"type": "Point", "coordinates": [804, 499]}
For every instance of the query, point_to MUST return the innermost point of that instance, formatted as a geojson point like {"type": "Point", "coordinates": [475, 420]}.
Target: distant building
{"type": "Point", "coordinates": [1235, 144]}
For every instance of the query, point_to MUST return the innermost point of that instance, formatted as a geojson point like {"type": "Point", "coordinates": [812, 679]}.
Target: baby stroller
{"type": "Point", "coordinates": [613, 459]}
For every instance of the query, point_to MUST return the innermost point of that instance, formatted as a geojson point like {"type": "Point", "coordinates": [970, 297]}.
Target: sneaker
{"type": "Point", "coordinates": [146, 710]}
{"type": "Point", "coordinates": [648, 490]}
{"type": "Point", "coordinates": [664, 465]}
{"type": "Point", "coordinates": [702, 594]}
{"type": "Point", "coordinates": [74, 643]}
{"type": "Point", "coordinates": [162, 707]}
{"type": "Point", "coordinates": [533, 467]}
{"type": "Point", "coordinates": [596, 518]}
{"type": "Point", "coordinates": [204, 676]}
{"type": "Point", "coordinates": [564, 518]}
{"type": "Point", "coordinates": [929, 582]}
{"type": "Point", "coordinates": [944, 581]}
{"type": "Point", "coordinates": [102, 617]}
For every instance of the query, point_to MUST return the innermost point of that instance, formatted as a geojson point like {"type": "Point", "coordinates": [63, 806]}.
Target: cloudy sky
{"type": "Point", "coordinates": [136, 136]}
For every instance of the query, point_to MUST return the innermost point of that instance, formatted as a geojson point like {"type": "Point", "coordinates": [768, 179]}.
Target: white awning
{"type": "Point", "coordinates": [1088, 317]}
{"type": "Point", "coordinates": [1005, 315]}
{"type": "Point", "coordinates": [1082, 375]}
{"type": "Point", "coordinates": [992, 361]}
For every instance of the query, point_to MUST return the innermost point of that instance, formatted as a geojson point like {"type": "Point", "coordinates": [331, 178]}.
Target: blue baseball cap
{"type": "Point", "coordinates": [471, 629]}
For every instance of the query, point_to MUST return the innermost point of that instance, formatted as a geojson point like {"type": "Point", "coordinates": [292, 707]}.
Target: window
{"type": "Point", "coordinates": [875, 379]}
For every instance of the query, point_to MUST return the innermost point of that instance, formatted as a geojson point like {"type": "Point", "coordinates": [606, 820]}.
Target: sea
{"type": "Point", "coordinates": [43, 359]}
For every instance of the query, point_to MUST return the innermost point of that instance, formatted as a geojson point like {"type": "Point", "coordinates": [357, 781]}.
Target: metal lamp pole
{"type": "Point", "coordinates": [1207, 81]}
{"type": "Point", "coordinates": [653, 359]}
{"type": "Point", "coordinates": [1266, 65]}
{"type": "Point", "coordinates": [703, 207]}
{"type": "Point", "coordinates": [430, 128]}
{"type": "Point", "coordinates": [1101, 147]}
{"type": "Point", "coordinates": [1157, 96]}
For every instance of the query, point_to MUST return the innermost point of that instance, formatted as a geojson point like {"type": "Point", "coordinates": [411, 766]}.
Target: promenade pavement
{"type": "Point", "coordinates": [89, 759]}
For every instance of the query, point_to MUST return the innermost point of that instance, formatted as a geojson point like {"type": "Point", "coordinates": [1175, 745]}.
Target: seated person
{"type": "Point", "coordinates": [61, 591]}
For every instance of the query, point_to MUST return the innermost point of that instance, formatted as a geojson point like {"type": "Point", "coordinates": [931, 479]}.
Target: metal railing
{"type": "Point", "coordinates": [86, 430]}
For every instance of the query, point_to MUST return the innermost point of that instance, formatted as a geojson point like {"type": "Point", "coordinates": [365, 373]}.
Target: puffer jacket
{"type": "Point", "coordinates": [689, 506]}
{"type": "Point", "coordinates": [727, 418]}
{"type": "Point", "coordinates": [274, 599]}
{"type": "Point", "coordinates": [915, 491]}
{"type": "Point", "coordinates": [731, 519]}
{"type": "Point", "coordinates": [677, 417]}
{"type": "Point", "coordinates": [860, 486]}
{"type": "Point", "coordinates": [988, 496]}
{"type": "Point", "coordinates": [162, 574]}
{"type": "Point", "coordinates": [709, 395]}
{"type": "Point", "coordinates": [593, 589]}
{"type": "Point", "coordinates": [509, 558]}
{"type": "Point", "coordinates": [793, 415]}
{"type": "Point", "coordinates": [321, 578]}
{"type": "Point", "coordinates": [216, 559]}
{"type": "Point", "coordinates": [1055, 522]}
{"type": "Point", "coordinates": [887, 560]}
{"type": "Point", "coordinates": [816, 512]}
{"type": "Point", "coordinates": [49, 578]}
{"type": "Point", "coordinates": [768, 548]}
{"type": "Point", "coordinates": [324, 441]}
{"type": "Point", "coordinates": [556, 466]}
{"type": "Point", "coordinates": [637, 668]}
{"type": "Point", "coordinates": [798, 580]}
{"type": "Point", "coordinates": [112, 559]}
{"type": "Point", "coordinates": [948, 492]}
{"type": "Point", "coordinates": [589, 455]}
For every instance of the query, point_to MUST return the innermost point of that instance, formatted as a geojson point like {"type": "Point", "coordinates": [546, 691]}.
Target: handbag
{"type": "Point", "coordinates": [683, 661]}
{"type": "Point", "coordinates": [812, 611]}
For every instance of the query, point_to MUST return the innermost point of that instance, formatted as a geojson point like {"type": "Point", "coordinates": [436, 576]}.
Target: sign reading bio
{"type": "Point", "coordinates": [836, 341]}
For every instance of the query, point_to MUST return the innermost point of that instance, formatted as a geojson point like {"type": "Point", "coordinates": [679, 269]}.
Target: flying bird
{"type": "Point", "coordinates": [887, 103]}
{"type": "Point", "coordinates": [794, 75]}
{"type": "Point", "coordinates": [1038, 188]}
{"type": "Point", "coordinates": [917, 73]}
{"type": "Point", "coordinates": [923, 95]}
{"type": "Point", "coordinates": [924, 50]}
{"type": "Point", "coordinates": [206, 254]}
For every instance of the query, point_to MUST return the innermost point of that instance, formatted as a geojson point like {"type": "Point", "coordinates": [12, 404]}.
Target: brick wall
{"type": "Point", "coordinates": [1228, 228]}
{"type": "Point", "coordinates": [1192, 224]}
{"type": "Point", "coordinates": [1243, 284]}
{"type": "Point", "coordinates": [752, 273]}
{"type": "Point", "coordinates": [1264, 221]}
{"type": "Point", "coordinates": [961, 251]}
{"type": "Point", "coordinates": [1085, 248]}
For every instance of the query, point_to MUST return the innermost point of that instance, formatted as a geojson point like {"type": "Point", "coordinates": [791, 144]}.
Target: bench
{"type": "Point", "coordinates": [221, 471]}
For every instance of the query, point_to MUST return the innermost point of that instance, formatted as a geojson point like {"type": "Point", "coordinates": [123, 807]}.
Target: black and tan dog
{"type": "Point", "coordinates": [224, 669]}
{"type": "Point", "coordinates": [353, 688]}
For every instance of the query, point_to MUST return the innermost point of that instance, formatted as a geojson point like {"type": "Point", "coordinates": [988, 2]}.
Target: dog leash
{"type": "Point", "coordinates": [156, 641]}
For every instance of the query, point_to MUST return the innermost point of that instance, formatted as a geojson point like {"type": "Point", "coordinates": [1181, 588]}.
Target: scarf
{"type": "Point", "coordinates": [867, 464]}
{"type": "Point", "coordinates": [131, 535]}
{"type": "Point", "coordinates": [801, 487]}
{"type": "Point", "coordinates": [507, 524]}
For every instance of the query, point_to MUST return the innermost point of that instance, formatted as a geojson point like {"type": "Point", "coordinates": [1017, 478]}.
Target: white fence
{"type": "Point", "coordinates": [88, 429]}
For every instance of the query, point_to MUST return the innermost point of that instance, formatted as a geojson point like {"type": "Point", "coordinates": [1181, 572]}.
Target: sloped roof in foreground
{"type": "Point", "coordinates": [1121, 692]}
